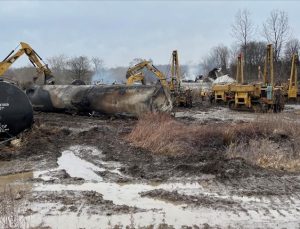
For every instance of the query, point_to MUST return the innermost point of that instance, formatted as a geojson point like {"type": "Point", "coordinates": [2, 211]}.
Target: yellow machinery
{"type": "Point", "coordinates": [34, 58]}
{"type": "Point", "coordinates": [134, 73]}
{"type": "Point", "coordinates": [293, 84]}
{"type": "Point", "coordinates": [257, 97]}
{"type": "Point", "coordinates": [180, 96]}
{"type": "Point", "coordinates": [222, 93]}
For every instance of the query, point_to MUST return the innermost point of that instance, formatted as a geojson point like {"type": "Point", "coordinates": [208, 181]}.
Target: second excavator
{"type": "Point", "coordinates": [180, 96]}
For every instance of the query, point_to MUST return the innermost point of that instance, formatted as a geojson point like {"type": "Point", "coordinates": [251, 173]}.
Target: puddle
{"type": "Point", "coordinates": [76, 167]}
{"type": "Point", "coordinates": [17, 180]}
{"type": "Point", "coordinates": [155, 211]}
{"type": "Point", "coordinates": [218, 113]}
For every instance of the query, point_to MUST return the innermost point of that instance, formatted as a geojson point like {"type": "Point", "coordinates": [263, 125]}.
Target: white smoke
{"type": "Point", "coordinates": [192, 72]}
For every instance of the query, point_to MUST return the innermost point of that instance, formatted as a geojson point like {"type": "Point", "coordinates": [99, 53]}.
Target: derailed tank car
{"type": "Point", "coordinates": [111, 100]}
{"type": "Point", "coordinates": [16, 112]}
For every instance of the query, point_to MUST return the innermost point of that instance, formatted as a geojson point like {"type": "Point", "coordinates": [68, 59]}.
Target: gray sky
{"type": "Point", "coordinates": [119, 31]}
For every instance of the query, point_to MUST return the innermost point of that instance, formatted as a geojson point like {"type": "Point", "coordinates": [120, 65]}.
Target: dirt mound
{"type": "Point", "coordinates": [71, 201]}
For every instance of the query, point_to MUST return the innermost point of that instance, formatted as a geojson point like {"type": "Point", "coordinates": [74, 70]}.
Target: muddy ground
{"type": "Point", "coordinates": [75, 171]}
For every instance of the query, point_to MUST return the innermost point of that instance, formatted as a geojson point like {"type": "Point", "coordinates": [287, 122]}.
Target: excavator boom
{"type": "Point", "coordinates": [134, 73]}
{"type": "Point", "coordinates": [33, 57]}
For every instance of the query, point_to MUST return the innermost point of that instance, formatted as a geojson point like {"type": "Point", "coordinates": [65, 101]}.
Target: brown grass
{"type": "Point", "coordinates": [161, 133]}
{"type": "Point", "coordinates": [271, 142]}
{"type": "Point", "coordinates": [266, 153]}
{"type": "Point", "coordinates": [277, 144]}
{"type": "Point", "coordinates": [11, 209]}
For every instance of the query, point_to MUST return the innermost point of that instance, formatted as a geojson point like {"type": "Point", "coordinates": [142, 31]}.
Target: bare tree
{"type": "Point", "coordinates": [221, 52]}
{"type": "Point", "coordinates": [218, 57]}
{"type": "Point", "coordinates": [291, 47]}
{"type": "Point", "coordinates": [79, 67]}
{"type": "Point", "coordinates": [97, 67]}
{"type": "Point", "coordinates": [243, 30]}
{"type": "Point", "coordinates": [58, 65]}
{"type": "Point", "coordinates": [276, 31]}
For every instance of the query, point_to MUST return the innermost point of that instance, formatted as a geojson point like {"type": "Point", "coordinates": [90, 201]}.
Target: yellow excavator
{"type": "Point", "coordinates": [180, 96]}
{"type": "Point", "coordinates": [33, 57]}
{"type": "Point", "coordinates": [134, 73]}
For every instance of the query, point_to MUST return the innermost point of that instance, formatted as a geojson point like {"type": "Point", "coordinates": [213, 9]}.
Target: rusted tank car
{"type": "Point", "coordinates": [112, 100]}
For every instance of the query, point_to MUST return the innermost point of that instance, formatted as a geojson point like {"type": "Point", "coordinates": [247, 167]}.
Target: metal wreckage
{"type": "Point", "coordinates": [106, 99]}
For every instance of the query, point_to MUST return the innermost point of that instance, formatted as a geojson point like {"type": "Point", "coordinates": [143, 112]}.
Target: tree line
{"type": "Point", "coordinates": [251, 41]}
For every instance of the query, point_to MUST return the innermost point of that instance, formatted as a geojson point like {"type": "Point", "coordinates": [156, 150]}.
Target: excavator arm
{"type": "Point", "coordinates": [138, 77]}
{"type": "Point", "coordinates": [134, 73]}
{"type": "Point", "coordinates": [33, 57]}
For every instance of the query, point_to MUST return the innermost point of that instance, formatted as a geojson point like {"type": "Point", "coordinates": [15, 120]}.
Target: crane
{"type": "Point", "coordinates": [179, 95]}
{"type": "Point", "coordinates": [33, 57]}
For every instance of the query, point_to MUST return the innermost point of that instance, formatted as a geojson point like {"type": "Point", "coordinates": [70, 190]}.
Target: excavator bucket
{"type": "Point", "coordinates": [112, 100]}
{"type": "Point", "coordinates": [16, 112]}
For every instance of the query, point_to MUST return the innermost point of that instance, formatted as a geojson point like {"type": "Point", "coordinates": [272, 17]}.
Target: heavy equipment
{"type": "Point", "coordinates": [134, 74]}
{"type": "Point", "coordinates": [221, 93]}
{"type": "Point", "coordinates": [33, 57]}
{"type": "Point", "coordinates": [292, 90]}
{"type": "Point", "coordinates": [180, 96]}
{"type": "Point", "coordinates": [257, 97]}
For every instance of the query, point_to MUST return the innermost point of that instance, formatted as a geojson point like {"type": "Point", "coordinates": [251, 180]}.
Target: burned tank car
{"type": "Point", "coordinates": [16, 112]}
{"type": "Point", "coordinates": [122, 100]}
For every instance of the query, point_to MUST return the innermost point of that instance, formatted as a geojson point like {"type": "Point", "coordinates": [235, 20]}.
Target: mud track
{"type": "Point", "coordinates": [221, 183]}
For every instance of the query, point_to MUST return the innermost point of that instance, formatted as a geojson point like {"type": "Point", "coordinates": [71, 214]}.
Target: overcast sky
{"type": "Point", "coordinates": [118, 31]}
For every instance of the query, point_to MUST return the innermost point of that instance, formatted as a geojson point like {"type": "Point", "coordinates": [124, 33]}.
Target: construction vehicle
{"type": "Point", "coordinates": [257, 97]}
{"type": "Point", "coordinates": [33, 57]}
{"type": "Point", "coordinates": [134, 73]}
{"type": "Point", "coordinates": [180, 97]}
{"type": "Point", "coordinates": [292, 93]}
{"type": "Point", "coordinates": [221, 93]}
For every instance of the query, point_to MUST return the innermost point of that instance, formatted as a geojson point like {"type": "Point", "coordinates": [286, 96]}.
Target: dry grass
{"type": "Point", "coordinates": [277, 144]}
{"type": "Point", "coordinates": [266, 153]}
{"type": "Point", "coordinates": [11, 209]}
{"type": "Point", "coordinates": [162, 134]}
{"type": "Point", "coordinates": [271, 142]}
